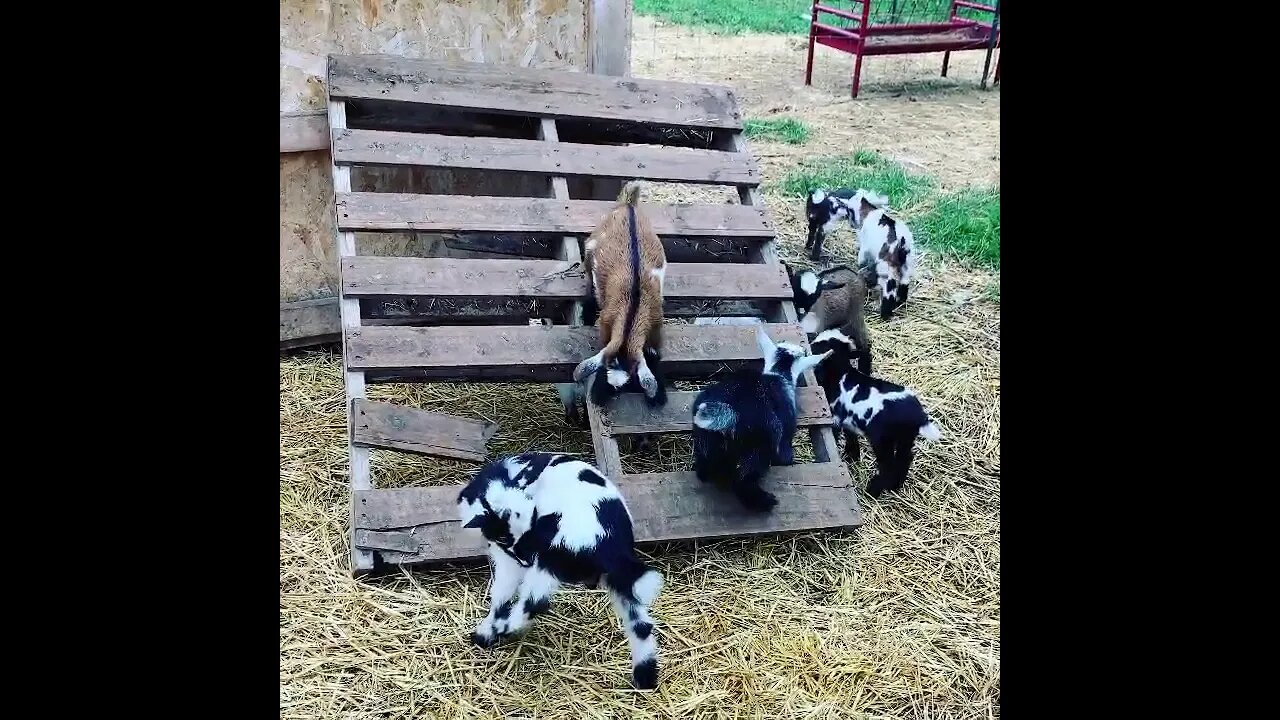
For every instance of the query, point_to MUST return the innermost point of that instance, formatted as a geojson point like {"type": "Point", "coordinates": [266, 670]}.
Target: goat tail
{"type": "Point", "coordinates": [630, 194]}
{"type": "Point", "coordinates": [715, 416]}
{"type": "Point", "coordinates": [929, 431]}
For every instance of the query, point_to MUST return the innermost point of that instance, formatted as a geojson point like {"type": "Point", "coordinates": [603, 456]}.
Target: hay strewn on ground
{"type": "Point", "coordinates": [898, 619]}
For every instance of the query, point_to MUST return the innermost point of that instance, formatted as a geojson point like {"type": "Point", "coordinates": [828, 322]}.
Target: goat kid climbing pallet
{"type": "Point", "coordinates": [542, 156]}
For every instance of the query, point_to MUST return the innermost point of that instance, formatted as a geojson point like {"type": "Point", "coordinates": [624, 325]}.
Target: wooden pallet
{"type": "Point", "coordinates": [514, 258]}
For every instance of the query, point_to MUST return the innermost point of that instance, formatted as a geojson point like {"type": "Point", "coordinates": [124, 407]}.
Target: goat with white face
{"type": "Point", "coordinates": [628, 267]}
{"type": "Point", "coordinates": [833, 298]}
{"type": "Point", "coordinates": [888, 415]}
{"type": "Point", "coordinates": [745, 423]}
{"type": "Point", "coordinates": [552, 519]}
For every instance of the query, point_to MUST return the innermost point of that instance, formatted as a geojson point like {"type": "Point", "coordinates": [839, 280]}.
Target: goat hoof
{"type": "Point", "coordinates": [761, 502]}
{"type": "Point", "coordinates": [645, 675]}
{"type": "Point", "coordinates": [874, 488]}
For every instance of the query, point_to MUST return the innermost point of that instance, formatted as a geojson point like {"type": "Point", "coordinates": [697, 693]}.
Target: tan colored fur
{"type": "Point", "coordinates": [609, 262]}
{"type": "Point", "coordinates": [844, 303]}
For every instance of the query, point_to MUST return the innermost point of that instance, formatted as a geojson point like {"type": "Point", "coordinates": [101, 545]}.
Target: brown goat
{"type": "Point", "coordinates": [628, 266]}
{"type": "Point", "coordinates": [833, 298]}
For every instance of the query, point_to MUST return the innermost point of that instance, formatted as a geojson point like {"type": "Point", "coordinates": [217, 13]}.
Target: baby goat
{"type": "Point", "coordinates": [833, 298]}
{"type": "Point", "coordinates": [889, 416]}
{"type": "Point", "coordinates": [744, 424]}
{"type": "Point", "coordinates": [825, 210]}
{"type": "Point", "coordinates": [886, 249]}
{"type": "Point", "coordinates": [628, 267]}
{"type": "Point", "coordinates": [552, 519]}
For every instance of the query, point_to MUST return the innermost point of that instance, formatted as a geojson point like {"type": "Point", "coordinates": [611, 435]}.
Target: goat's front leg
{"type": "Point", "coordinates": [786, 449]}
{"type": "Point", "coordinates": [886, 468]}
{"type": "Point", "coordinates": [507, 575]}
{"type": "Point", "coordinates": [818, 236]}
{"type": "Point", "coordinates": [852, 445]}
{"type": "Point", "coordinates": [536, 588]}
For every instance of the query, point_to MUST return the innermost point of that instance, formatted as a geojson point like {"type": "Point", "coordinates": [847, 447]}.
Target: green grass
{"type": "Point", "coordinates": [863, 169]}
{"type": "Point", "coordinates": [791, 17]}
{"type": "Point", "coordinates": [787, 130]}
{"type": "Point", "coordinates": [966, 225]}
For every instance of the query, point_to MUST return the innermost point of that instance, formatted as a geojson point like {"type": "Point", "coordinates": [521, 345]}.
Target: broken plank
{"type": "Point", "coordinates": [523, 91]}
{"type": "Point", "coordinates": [370, 276]}
{"type": "Point", "coordinates": [629, 414]}
{"type": "Point", "coordinates": [399, 427]}
{"type": "Point", "coordinates": [664, 507]}
{"type": "Point", "coordinates": [398, 541]}
{"type": "Point", "coordinates": [372, 147]}
{"type": "Point", "coordinates": [465, 213]}
{"type": "Point", "coordinates": [543, 353]}
{"type": "Point", "coordinates": [310, 322]}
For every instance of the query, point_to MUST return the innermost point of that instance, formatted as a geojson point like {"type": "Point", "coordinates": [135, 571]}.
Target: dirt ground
{"type": "Point", "coordinates": [898, 619]}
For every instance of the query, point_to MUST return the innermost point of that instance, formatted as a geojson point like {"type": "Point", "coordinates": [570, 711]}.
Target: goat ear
{"type": "Point", "coordinates": [767, 348]}
{"type": "Point", "coordinates": [475, 521]}
{"type": "Point", "coordinates": [809, 361]}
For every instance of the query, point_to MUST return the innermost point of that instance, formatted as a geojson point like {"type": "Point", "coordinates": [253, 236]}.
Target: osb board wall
{"type": "Point", "coordinates": [527, 33]}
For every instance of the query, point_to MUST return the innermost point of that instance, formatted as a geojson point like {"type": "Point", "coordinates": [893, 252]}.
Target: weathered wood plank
{"type": "Point", "coordinates": [310, 322]}
{"type": "Point", "coordinates": [522, 91]}
{"type": "Point", "coordinates": [359, 476]}
{"type": "Point", "coordinates": [398, 541]}
{"type": "Point", "coordinates": [609, 37]}
{"type": "Point", "coordinates": [301, 132]}
{"type": "Point", "coordinates": [664, 507]}
{"type": "Point", "coordinates": [464, 213]}
{"type": "Point", "coordinates": [540, 353]}
{"type": "Point", "coordinates": [371, 147]}
{"type": "Point", "coordinates": [369, 276]}
{"type": "Point", "coordinates": [628, 414]}
{"type": "Point", "coordinates": [399, 427]}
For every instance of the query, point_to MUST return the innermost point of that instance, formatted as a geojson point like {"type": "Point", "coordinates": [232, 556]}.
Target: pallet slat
{"type": "Point", "coordinates": [543, 353]}
{"type": "Point", "coordinates": [399, 427]}
{"type": "Point", "coordinates": [522, 91]}
{"type": "Point", "coordinates": [372, 147]}
{"type": "Point", "coordinates": [628, 414]}
{"type": "Point", "coordinates": [464, 213]}
{"type": "Point", "coordinates": [373, 276]}
{"type": "Point", "coordinates": [664, 507]}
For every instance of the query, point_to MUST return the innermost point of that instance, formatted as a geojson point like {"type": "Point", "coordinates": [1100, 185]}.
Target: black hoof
{"type": "Point", "coordinates": [645, 675]}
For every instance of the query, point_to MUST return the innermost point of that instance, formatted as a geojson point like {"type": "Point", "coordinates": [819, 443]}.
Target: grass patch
{"type": "Point", "coordinates": [993, 292]}
{"type": "Point", "coordinates": [791, 17]}
{"type": "Point", "coordinates": [966, 225]}
{"type": "Point", "coordinates": [787, 130]}
{"type": "Point", "coordinates": [863, 169]}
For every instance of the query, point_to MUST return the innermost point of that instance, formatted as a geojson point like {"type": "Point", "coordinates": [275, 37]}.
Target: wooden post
{"type": "Point", "coordinates": [609, 37]}
{"type": "Point", "coordinates": [361, 560]}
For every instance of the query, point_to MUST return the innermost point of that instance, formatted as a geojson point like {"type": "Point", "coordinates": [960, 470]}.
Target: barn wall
{"type": "Point", "coordinates": [528, 33]}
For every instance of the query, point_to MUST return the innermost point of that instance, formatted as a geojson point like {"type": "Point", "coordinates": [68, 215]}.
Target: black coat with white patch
{"type": "Point", "coordinates": [745, 423]}
{"type": "Point", "coordinates": [888, 415]}
{"type": "Point", "coordinates": [552, 519]}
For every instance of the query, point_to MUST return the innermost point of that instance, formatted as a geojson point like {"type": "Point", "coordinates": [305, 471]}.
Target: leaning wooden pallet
{"type": "Point", "coordinates": [504, 260]}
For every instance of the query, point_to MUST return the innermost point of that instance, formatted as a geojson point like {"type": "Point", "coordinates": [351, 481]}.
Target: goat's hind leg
{"type": "Point", "coordinates": [752, 466]}
{"type": "Point", "coordinates": [534, 598]}
{"type": "Point", "coordinates": [631, 592]}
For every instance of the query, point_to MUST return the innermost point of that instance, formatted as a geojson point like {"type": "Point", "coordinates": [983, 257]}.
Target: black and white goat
{"type": "Point", "coordinates": [889, 416]}
{"type": "Point", "coordinates": [833, 298]}
{"type": "Point", "coordinates": [745, 423]}
{"type": "Point", "coordinates": [826, 209]}
{"type": "Point", "coordinates": [552, 519]}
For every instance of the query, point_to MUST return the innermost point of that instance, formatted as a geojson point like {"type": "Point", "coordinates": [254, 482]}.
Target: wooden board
{"type": "Point", "coordinates": [301, 132]}
{"type": "Point", "coordinates": [521, 91]}
{"type": "Point", "coordinates": [410, 211]}
{"type": "Point", "coordinates": [628, 414]}
{"type": "Point", "coordinates": [372, 147]}
{"type": "Point", "coordinates": [310, 322]}
{"type": "Point", "coordinates": [399, 427]}
{"type": "Point", "coordinates": [367, 276]}
{"type": "Point", "coordinates": [542, 353]}
{"type": "Point", "coordinates": [664, 507]}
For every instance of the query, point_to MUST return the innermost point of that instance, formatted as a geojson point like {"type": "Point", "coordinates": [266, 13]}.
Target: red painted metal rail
{"type": "Point", "coordinates": [957, 33]}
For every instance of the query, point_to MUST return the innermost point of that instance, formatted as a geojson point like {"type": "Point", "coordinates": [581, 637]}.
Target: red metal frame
{"type": "Point", "coordinates": [854, 41]}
